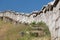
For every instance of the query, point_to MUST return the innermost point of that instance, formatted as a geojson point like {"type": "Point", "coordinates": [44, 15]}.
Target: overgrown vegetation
{"type": "Point", "coordinates": [44, 27]}
{"type": "Point", "coordinates": [10, 31]}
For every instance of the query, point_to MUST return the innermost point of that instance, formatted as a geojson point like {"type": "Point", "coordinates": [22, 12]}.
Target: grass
{"type": "Point", "coordinates": [9, 31]}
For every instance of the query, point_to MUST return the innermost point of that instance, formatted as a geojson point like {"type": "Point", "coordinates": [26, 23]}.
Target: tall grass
{"type": "Point", "coordinates": [12, 31]}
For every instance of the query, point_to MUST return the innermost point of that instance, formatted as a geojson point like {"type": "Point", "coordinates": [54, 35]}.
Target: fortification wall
{"type": "Point", "coordinates": [50, 14]}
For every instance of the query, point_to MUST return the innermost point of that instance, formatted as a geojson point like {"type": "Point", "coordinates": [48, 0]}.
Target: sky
{"type": "Point", "coordinates": [23, 5]}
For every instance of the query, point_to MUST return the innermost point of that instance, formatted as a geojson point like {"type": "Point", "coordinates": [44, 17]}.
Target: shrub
{"type": "Point", "coordinates": [33, 23]}
{"type": "Point", "coordinates": [44, 26]}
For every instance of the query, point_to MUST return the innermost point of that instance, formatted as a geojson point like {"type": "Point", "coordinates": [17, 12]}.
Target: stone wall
{"type": "Point", "coordinates": [50, 14]}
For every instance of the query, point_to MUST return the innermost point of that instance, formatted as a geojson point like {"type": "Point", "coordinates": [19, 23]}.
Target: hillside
{"type": "Point", "coordinates": [10, 31]}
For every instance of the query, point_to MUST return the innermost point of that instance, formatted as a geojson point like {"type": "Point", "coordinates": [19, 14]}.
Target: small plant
{"type": "Point", "coordinates": [33, 23]}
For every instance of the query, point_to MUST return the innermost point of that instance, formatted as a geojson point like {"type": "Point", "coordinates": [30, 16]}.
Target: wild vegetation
{"type": "Point", "coordinates": [10, 31]}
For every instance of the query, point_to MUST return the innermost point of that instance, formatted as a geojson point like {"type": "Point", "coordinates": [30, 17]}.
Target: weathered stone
{"type": "Point", "coordinates": [50, 15]}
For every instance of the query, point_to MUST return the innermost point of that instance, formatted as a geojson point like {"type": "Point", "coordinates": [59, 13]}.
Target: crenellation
{"type": "Point", "coordinates": [55, 3]}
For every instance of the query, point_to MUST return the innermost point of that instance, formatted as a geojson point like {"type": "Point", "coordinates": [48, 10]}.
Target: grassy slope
{"type": "Point", "coordinates": [9, 31]}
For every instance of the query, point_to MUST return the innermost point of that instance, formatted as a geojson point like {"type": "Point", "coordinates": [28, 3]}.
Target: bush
{"type": "Point", "coordinates": [33, 22]}
{"type": "Point", "coordinates": [45, 27]}
{"type": "Point", "coordinates": [42, 25]}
